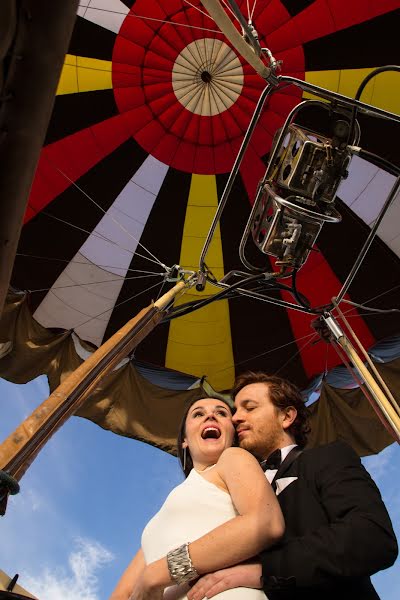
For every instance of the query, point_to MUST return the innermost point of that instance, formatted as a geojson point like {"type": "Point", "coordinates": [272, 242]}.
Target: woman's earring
{"type": "Point", "coordinates": [184, 458]}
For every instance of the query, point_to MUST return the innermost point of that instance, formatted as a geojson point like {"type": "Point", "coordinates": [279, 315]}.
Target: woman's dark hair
{"type": "Point", "coordinates": [182, 433]}
{"type": "Point", "coordinates": [282, 393]}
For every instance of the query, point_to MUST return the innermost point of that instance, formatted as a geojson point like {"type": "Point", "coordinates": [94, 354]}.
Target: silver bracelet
{"type": "Point", "coordinates": [180, 566]}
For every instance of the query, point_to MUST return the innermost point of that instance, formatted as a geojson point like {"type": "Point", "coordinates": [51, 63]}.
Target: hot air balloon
{"type": "Point", "coordinates": [151, 109]}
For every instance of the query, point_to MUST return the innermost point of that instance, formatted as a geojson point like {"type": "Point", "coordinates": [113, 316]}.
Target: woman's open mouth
{"type": "Point", "coordinates": [211, 433]}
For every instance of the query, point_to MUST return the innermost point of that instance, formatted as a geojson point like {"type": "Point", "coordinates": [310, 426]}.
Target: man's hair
{"type": "Point", "coordinates": [282, 393]}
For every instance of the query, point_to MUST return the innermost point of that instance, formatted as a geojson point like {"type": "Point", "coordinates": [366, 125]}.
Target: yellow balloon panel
{"type": "Point", "coordinates": [81, 74]}
{"type": "Point", "coordinates": [383, 91]}
{"type": "Point", "coordinates": [200, 342]}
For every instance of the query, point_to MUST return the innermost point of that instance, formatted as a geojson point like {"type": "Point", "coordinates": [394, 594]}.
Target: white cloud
{"type": "Point", "coordinates": [34, 500]}
{"type": "Point", "coordinates": [79, 581]}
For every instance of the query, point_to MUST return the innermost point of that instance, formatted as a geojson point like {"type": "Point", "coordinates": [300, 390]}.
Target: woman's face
{"type": "Point", "coordinates": [208, 431]}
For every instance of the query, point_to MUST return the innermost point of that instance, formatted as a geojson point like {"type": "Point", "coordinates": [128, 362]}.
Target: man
{"type": "Point", "coordinates": [338, 532]}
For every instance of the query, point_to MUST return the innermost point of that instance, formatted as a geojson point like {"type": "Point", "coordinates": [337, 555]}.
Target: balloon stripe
{"type": "Point", "coordinates": [346, 82]}
{"type": "Point", "coordinates": [206, 82]}
{"type": "Point", "coordinates": [91, 40]}
{"type": "Point", "coordinates": [111, 19]}
{"type": "Point", "coordinates": [163, 235]}
{"type": "Point", "coordinates": [320, 20]}
{"type": "Point", "coordinates": [75, 112]}
{"type": "Point", "coordinates": [81, 74]}
{"type": "Point", "coordinates": [294, 7]}
{"type": "Point", "coordinates": [186, 98]}
{"type": "Point", "coordinates": [364, 192]}
{"type": "Point", "coordinates": [207, 331]}
{"type": "Point", "coordinates": [269, 18]}
{"type": "Point", "coordinates": [317, 269]}
{"type": "Point", "coordinates": [65, 161]}
{"type": "Point", "coordinates": [256, 327]}
{"type": "Point", "coordinates": [332, 51]}
{"type": "Point", "coordinates": [86, 308]}
{"type": "Point", "coordinates": [65, 226]}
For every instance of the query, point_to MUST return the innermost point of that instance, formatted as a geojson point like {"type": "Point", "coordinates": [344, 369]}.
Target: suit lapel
{"type": "Point", "coordinates": [291, 457]}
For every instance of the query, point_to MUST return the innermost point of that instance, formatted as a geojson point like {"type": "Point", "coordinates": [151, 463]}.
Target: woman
{"type": "Point", "coordinates": [225, 512]}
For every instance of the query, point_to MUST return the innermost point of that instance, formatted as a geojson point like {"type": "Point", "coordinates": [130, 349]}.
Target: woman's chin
{"type": "Point", "coordinates": [212, 449]}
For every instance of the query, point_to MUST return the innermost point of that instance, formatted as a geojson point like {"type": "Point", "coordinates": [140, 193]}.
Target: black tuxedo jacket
{"type": "Point", "coordinates": [338, 531]}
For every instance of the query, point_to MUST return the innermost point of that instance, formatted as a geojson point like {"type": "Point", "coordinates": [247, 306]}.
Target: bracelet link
{"type": "Point", "coordinates": [180, 566]}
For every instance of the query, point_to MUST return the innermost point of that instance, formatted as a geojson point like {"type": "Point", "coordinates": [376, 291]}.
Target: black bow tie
{"type": "Point", "coordinates": [273, 461]}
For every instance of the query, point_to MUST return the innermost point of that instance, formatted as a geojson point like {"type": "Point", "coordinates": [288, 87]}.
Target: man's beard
{"type": "Point", "coordinates": [260, 445]}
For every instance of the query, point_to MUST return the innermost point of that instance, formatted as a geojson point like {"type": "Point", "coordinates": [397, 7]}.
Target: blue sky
{"type": "Point", "coordinates": [86, 498]}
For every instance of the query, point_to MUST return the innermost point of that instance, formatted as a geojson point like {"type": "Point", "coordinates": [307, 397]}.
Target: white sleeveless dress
{"type": "Point", "coordinates": [191, 510]}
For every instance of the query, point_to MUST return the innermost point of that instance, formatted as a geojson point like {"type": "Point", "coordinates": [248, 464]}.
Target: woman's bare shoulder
{"type": "Point", "coordinates": [236, 456]}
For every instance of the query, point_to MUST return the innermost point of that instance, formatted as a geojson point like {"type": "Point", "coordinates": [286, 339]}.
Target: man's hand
{"type": "Point", "coordinates": [246, 575]}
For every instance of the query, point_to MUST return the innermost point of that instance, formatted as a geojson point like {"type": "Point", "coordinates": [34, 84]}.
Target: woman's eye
{"type": "Point", "coordinates": [197, 414]}
{"type": "Point", "coordinates": [223, 413]}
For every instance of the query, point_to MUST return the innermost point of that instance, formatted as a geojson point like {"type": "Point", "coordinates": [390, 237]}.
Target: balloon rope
{"type": "Point", "coordinates": [128, 233]}
{"type": "Point", "coordinates": [160, 290]}
{"type": "Point", "coordinates": [253, 9]}
{"type": "Point", "coordinates": [203, 12]}
{"type": "Point", "coordinates": [114, 307]}
{"type": "Point", "coordinates": [315, 337]}
{"type": "Point", "coordinates": [326, 359]}
{"type": "Point", "coordinates": [236, 364]}
{"type": "Point", "coordinates": [365, 314]}
{"type": "Point", "coordinates": [310, 335]}
{"type": "Point", "coordinates": [175, 24]}
{"type": "Point", "coordinates": [84, 285]}
{"type": "Point", "coordinates": [100, 236]}
{"type": "Point", "coordinates": [382, 294]}
{"type": "Point", "coordinates": [82, 262]}
{"type": "Point", "coordinates": [313, 334]}
{"type": "Point", "coordinates": [370, 309]}
{"type": "Point", "coordinates": [118, 12]}
{"type": "Point", "coordinates": [230, 10]}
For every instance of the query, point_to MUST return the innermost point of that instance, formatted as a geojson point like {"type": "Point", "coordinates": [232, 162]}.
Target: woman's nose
{"type": "Point", "coordinates": [211, 416]}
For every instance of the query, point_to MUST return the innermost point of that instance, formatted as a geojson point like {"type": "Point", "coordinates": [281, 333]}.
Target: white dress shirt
{"type": "Point", "coordinates": [270, 473]}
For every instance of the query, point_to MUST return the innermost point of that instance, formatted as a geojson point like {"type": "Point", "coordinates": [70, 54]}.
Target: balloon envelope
{"type": "Point", "coordinates": [150, 112]}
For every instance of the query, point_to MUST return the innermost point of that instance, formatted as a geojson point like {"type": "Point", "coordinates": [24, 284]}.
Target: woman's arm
{"type": "Point", "coordinates": [129, 578]}
{"type": "Point", "coordinates": [259, 523]}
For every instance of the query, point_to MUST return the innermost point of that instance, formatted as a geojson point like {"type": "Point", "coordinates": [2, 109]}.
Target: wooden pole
{"type": "Point", "coordinates": [380, 398]}
{"type": "Point", "coordinates": [371, 365]}
{"type": "Point", "coordinates": [21, 447]}
{"type": "Point", "coordinates": [390, 416]}
{"type": "Point", "coordinates": [218, 14]}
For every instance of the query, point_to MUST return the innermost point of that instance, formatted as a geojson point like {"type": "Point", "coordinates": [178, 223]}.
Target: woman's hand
{"type": "Point", "coordinates": [152, 582]}
{"type": "Point", "coordinates": [245, 575]}
{"type": "Point", "coordinates": [146, 589]}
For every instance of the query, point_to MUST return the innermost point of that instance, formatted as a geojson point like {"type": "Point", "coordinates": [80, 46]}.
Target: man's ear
{"type": "Point", "coordinates": [289, 415]}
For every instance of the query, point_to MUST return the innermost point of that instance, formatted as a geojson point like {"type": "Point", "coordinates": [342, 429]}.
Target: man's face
{"type": "Point", "coordinates": [258, 422]}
